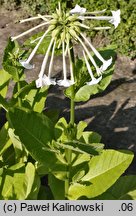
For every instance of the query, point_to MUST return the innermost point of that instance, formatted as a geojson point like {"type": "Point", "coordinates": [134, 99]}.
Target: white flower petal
{"type": "Point", "coordinates": [48, 81]}
{"type": "Point", "coordinates": [94, 81]}
{"type": "Point", "coordinates": [115, 20]}
{"type": "Point", "coordinates": [65, 83]}
{"type": "Point", "coordinates": [39, 83]}
{"type": "Point", "coordinates": [44, 81]}
{"type": "Point", "coordinates": [78, 10]}
{"type": "Point", "coordinates": [106, 64]}
{"type": "Point", "coordinates": [26, 64]}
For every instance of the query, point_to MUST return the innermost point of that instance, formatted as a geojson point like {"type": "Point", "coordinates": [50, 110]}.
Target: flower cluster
{"type": "Point", "coordinates": [65, 28]}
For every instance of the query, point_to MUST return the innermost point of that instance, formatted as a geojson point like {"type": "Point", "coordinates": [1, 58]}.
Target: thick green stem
{"type": "Point", "coordinates": [68, 152]}
{"type": "Point", "coordinates": [19, 99]}
{"type": "Point", "coordinates": [18, 89]}
{"type": "Point", "coordinates": [72, 104]}
{"type": "Point", "coordinates": [72, 108]}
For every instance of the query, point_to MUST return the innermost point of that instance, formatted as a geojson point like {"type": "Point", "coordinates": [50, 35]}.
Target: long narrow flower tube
{"type": "Point", "coordinates": [114, 19]}
{"type": "Point", "coordinates": [106, 63]}
{"type": "Point", "coordinates": [79, 10]}
{"type": "Point", "coordinates": [46, 59]}
{"type": "Point", "coordinates": [95, 12]}
{"type": "Point", "coordinates": [43, 18]}
{"type": "Point", "coordinates": [65, 82]}
{"type": "Point", "coordinates": [102, 28]}
{"type": "Point", "coordinates": [90, 57]}
{"type": "Point", "coordinates": [26, 63]}
{"type": "Point", "coordinates": [43, 79]}
{"type": "Point", "coordinates": [29, 30]}
{"type": "Point", "coordinates": [51, 61]}
{"type": "Point", "coordinates": [93, 79]}
{"type": "Point", "coordinates": [35, 18]}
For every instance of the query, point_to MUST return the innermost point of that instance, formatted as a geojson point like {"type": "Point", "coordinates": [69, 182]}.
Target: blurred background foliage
{"type": "Point", "coordinates": [123, 37]}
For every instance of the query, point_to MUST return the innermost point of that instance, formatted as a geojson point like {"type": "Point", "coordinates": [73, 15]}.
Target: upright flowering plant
{"type": "Point", "coordinates": [73, 160]}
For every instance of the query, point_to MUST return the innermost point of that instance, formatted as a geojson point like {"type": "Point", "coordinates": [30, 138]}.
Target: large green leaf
{"type": "Point", "coordinates": [123, 189]}
{"type": "Point", "coordinates": [104, 170]}
{"type": "Point", "coordinates": [35, 132]}
{"type": "Point", "coordinates": [4, 81]}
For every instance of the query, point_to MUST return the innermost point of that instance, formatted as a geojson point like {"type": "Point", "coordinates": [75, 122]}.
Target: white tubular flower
{"type": "Point", "coordinates": [26, 63]}
{"type": "Point", "coordinates": [94, 80]}
{"type": "Point", "coordinates": [106, 63]}
{"type": "Point", "coordinates": [30, 30]}
{"type": "Point", "coordinates": [115, 20]}
{"type": "Point", "coordinates": [35, 18]}
{"type": "Point", "coordinates": [78, 10]}
{"type": "Point", "coordinates": [65, 82]}
{"type": "Point", "coordinates": [102, 28]}
{"type": "Point", "coordinates": [44, 81]}
{"type": "Point", "coordinates": [51, 61]}
{"type": "Point", "coordinates": [90, 57]}
{"type": "Point", "coordinates": [45, 59]}
{"type": "Point", "coordinates": [96, 12]}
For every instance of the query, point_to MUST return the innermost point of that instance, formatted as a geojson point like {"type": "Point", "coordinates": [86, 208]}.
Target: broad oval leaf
{"type": "Point", "coordinates": [35, 132]}
{"type": "Point", "coordinates": [104, 170]}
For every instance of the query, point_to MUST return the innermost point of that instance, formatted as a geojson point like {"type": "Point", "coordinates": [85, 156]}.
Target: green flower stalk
{"type": "Point", "coordinates": [66, 28]}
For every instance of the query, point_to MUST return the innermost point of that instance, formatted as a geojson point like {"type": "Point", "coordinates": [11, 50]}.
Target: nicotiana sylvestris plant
{"type": "Point", "coordinates": [37, 144]}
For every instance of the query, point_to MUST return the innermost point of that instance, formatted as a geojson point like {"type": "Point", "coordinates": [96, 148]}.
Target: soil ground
{"type": "Point", "coordinates": [112, 113]}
